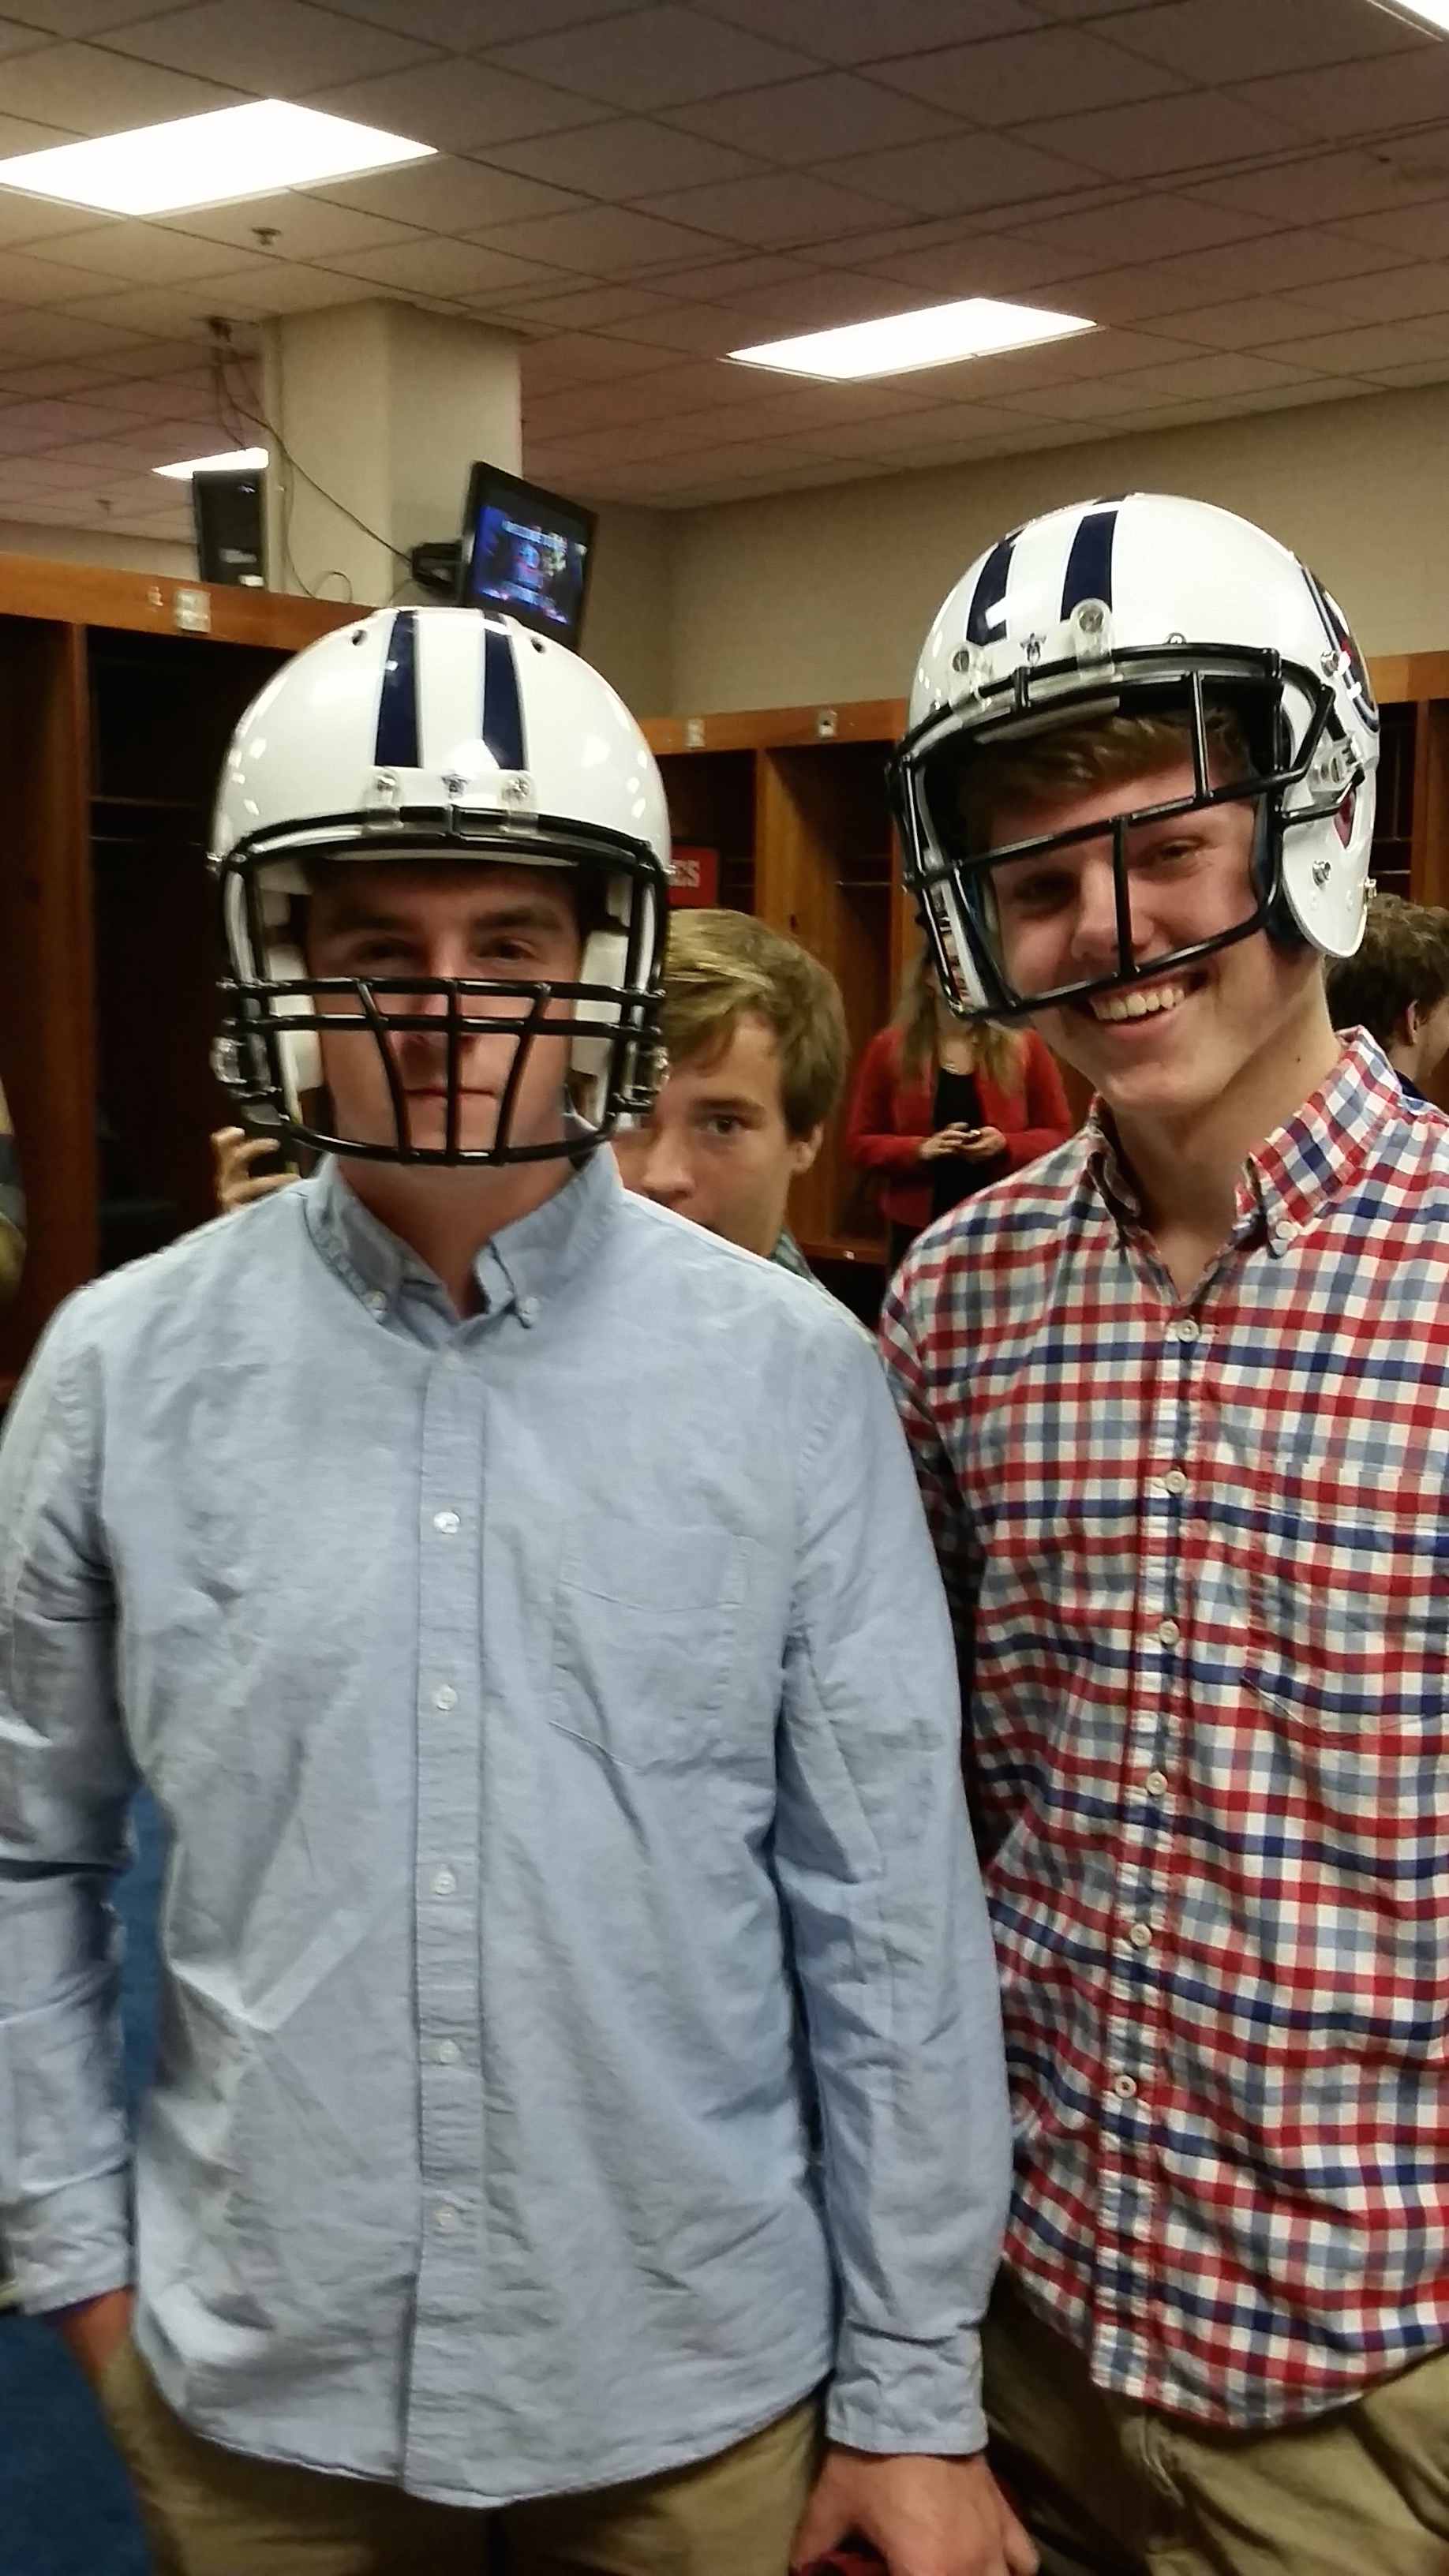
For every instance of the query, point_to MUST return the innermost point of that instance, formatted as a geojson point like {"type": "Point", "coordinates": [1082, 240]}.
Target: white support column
{"type": "Point", "coordinates": [385, 407]}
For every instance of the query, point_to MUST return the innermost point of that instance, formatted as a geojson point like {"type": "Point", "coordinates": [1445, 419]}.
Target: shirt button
{"type": "Point", "coordinates": [444, 1883]}
{"type": "Point", "coordinates": [1174, 1482]}
{"type": "Point", "coordinates": [1140, 1936]}
{"type": "Point", "coordinates": [528, 1311]}
{"type": "Point", "coordinates": [447, 2052]}
{"type": "Point", "coordinates": [1168, 1632]}
{"type": "Point", "coordinates": [1279, 1237]}
{"type": "Point", "coordinates": [376, 1301]}
{"type": "Point", "coordinates": [1124, 2088]}
{"type": "Point", "coordinates": [447, 2219]}
{"type": "Point", "coordinates": [1156, 1784]}
{"type": "Point", "coordinates": [445, 1697]}
{"type": "Point", "coordinates": [448, 1523]}
{"type": "Point", "coordinates": [1185, 1330]}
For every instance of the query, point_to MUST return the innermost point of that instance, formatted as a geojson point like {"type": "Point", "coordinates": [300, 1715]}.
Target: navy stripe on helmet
{"type": "Point", "coordinates": [502, 700]}
{"type": "Point", "coordinates": [397, 707]}
{"type": "Point", "coordinates": [1089, 565]}
{"type": "Point", "coordinates": [984, 622]}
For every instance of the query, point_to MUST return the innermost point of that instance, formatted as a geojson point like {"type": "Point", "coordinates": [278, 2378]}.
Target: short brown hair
{"type": "Point", "coordinates": [723, 967]}
{"type": "Point", "coordinates": [1106, 753]}
{"type": "Point", "coordinates": [1404, 958]}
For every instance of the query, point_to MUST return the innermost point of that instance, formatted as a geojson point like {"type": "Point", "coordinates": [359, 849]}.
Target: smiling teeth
{"type": "Point", "coordinates": [1139, 1005]}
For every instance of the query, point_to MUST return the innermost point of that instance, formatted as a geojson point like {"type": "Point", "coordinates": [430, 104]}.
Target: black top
{"type": "Point", "coordinates": [957, 1177]}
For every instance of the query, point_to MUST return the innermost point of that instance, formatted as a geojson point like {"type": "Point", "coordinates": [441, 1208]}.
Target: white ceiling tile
{"type": "Point", "coordinates": [434, 266]}
{"type": "Point", "coordinates": [1411, 232]}
{"type": "Point", "coordinates": [652, 58]}
{"type": "Point", "coordinates": [623, 157]}
{"type": "Point", "coordinates": [305, 226]}
{"type": "Point", "coordinates": [288, 286]}
{"type": "Point", "coordinates": [580, 358]}
{"type": "Point", "coordinates": [450, 195]}
{"type": "Point", "coordinates": [1428, 371]}
{"type": "Point", "coordinates": [1057, 72]}
{"type": "Point", "coordinates": [777, 206]}
{"type": "Point", "coordinates": [988, 264]}
{"type": "Point", "coordinates": [187, 396]}
{"type": "Point", "coordinates": [1393, 295]}
{"type": "Point", "coordinates": [601, 241]}
{"type": "Point", "coordinates": [34, 334]}
{"type": "Point", "coordinates": [702, 329]}
{"type": "Point", "coordinates": [1329, 188]}
{"type": "Point", "coordinates": [29, 220]}
{"type": "Point", "coordinates": [457, 106]}
{"type": "Point", "coordinates": [1143, 226]}
{"type": "Point", "coordinates": [980, 171]}
{"type": "Point", "coordinates": [87, 89]}
{"type": "Point", "coordinates": [1273, 263]}
{"type": "Point", "coordinates": [277, 48]}
{"type": "Point", "coordinates": [862, 31]}
{"type": "Point", "coordinates": [1366, 350]}
{"type": "Point", "coordinates": [25, 278]}
{"type": "Point", "coordinates": [80, 17]}
{"type": "Point", "coordinates": [460, 25]}
{"type": "Point", "coordinates": [1226, 40]}
{"type": "Point", "coordinates": [1246, 322]}
{"type": "Point", "coordinates": [1399, 90]}
{"type": "Point", "coordinates": [156, 355]}
{"type": "Point", "coordinates": [816, 120]}
{"type": "Point", "coordinates": [55, 424]}
{"type": "Point", "coordinates": [153, 311]}
{"type": "Point", "coordinates": [23, 134]}
{"type": "Point", "coordinates": [590, 306]}
{"type": "Point", "coordinates": [47, 382]}
{"type": "Point", "coordinates": [716, 281]}
{"type": "Point", "coordinates": [818, 303]}
{"type": "Point", "coordinates": [1159, 138]}
{"type": "Point", "coordinates": [145, 254]}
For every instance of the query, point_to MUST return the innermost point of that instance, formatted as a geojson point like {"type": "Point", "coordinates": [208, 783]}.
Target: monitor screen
{"type": "Point", "coordinates": [526, 551]}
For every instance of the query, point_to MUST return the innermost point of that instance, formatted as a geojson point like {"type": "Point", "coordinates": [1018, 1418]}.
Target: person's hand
{"type": "Point", "coordinates": [94, 2329]}
{"type": "Point", "coordinates": [926, 2516]}
{"type": "Point", "coordinates": [981, 1141]}
{"type": "Point", "coordinates": [233, 1154]}
{"type": "Point", "coordinates": [947, 1140]}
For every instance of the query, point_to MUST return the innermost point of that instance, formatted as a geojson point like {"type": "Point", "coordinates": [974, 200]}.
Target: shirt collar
{"type": "Point", "coordinates": [1297, 1170]}
{"type": "Point", "coordinates": [522, 1264]}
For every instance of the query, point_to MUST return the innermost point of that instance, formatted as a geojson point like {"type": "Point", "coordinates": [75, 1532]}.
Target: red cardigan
{"type": "Point", "coordinates": [889, 1117]}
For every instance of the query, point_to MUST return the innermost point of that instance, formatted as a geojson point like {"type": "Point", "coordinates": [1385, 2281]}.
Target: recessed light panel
{"type": "Point", "coordinates": [213, 160]}
{"type": "Point", "coordinates": [939, 335]}
{"type": "Point", "coordinates": [236, 462]}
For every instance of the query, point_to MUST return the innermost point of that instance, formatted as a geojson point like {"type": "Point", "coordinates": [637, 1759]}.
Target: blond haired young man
{"type": "Point", "coordinates": [1179, 1398]}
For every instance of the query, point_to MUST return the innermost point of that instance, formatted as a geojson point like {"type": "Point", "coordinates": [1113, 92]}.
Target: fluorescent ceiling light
{"type": "Point", "coordinates": [936, 336]}
{"type": "Point", "coordinates": [1435, 13]}
{"type": "Point", "coordinates": [235, 461]}
{"type": "Point", "coordinates": [213, 160]}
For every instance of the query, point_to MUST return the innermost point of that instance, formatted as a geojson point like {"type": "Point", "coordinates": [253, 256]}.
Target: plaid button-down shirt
{"type": "Point", "coordinates": [1198, 1555]}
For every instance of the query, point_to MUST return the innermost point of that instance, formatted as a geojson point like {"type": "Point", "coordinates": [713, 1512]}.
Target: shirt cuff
{"type": "Point", "coordinates": [888, 2394]}
{"type": "Point", "coordinates": [72, 2244]}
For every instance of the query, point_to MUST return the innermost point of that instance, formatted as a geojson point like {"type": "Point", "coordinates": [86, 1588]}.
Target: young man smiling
{"type": "Point", "coordinates": [1179, 1398]}
{"type": "Point", "coordinates": [518, 1603]}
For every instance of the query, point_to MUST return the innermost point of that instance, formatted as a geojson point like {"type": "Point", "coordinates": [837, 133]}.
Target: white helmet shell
{"type": "Point", "coordinates": [1062, 598]}
{"type": "Point", "coordinates": [442, 732]}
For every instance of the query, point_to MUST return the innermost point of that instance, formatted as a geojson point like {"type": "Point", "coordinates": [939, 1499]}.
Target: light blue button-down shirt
{"type": "Point", "coordinates": [555, 1716]}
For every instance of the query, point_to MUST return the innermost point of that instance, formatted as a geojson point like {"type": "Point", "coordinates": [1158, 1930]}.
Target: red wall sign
{"type": "Point", "coordinates": [693, 875]}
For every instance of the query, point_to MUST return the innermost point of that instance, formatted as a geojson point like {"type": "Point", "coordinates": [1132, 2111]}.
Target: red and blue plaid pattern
{"type": "Point", "coordinates": [1198, 1555]}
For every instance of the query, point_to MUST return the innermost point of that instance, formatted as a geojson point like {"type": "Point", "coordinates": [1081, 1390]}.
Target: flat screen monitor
{"type": "Point", "coordinates": [226, 510]}
{"type": "Point", "coordinates": [526, 552]}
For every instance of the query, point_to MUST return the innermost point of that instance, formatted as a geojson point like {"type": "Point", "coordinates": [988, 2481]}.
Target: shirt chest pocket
{"type": "Point", "coordinates": [645, 1635]}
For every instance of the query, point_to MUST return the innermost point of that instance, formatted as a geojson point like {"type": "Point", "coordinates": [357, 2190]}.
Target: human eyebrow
{"type": "Point", "coordinates": [726, 1104]}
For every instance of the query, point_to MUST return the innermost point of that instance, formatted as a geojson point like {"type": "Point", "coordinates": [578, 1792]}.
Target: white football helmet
{"type": "Point", "coordinates": [1154, 606]}
{"type": "Point", "coordinates": [442, 735]}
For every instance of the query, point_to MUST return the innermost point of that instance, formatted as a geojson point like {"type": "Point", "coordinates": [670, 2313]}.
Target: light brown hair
{"type": "Point", "coordinates": [998, 1050]}
{"type": "Point", "coordinates": [1106, 753]}
{"type": "Point", "coordinates": [1404, 958]}
{"type": "Point", "coordinates": [723, 967]}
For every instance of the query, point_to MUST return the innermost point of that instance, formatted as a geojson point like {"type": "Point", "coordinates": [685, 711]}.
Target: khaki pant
{"type": "Point", "coordinates": [213, 2512]}
{"type": "Point", "coordinates": [1108, 2488]}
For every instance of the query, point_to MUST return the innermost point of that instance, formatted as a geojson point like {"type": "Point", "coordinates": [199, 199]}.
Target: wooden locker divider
{"type": "Point", "coordinates": [47, 1049]}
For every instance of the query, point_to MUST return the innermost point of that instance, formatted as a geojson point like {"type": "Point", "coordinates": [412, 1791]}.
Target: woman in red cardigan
{"type": "Point", "coordinates": [941, 1107]}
